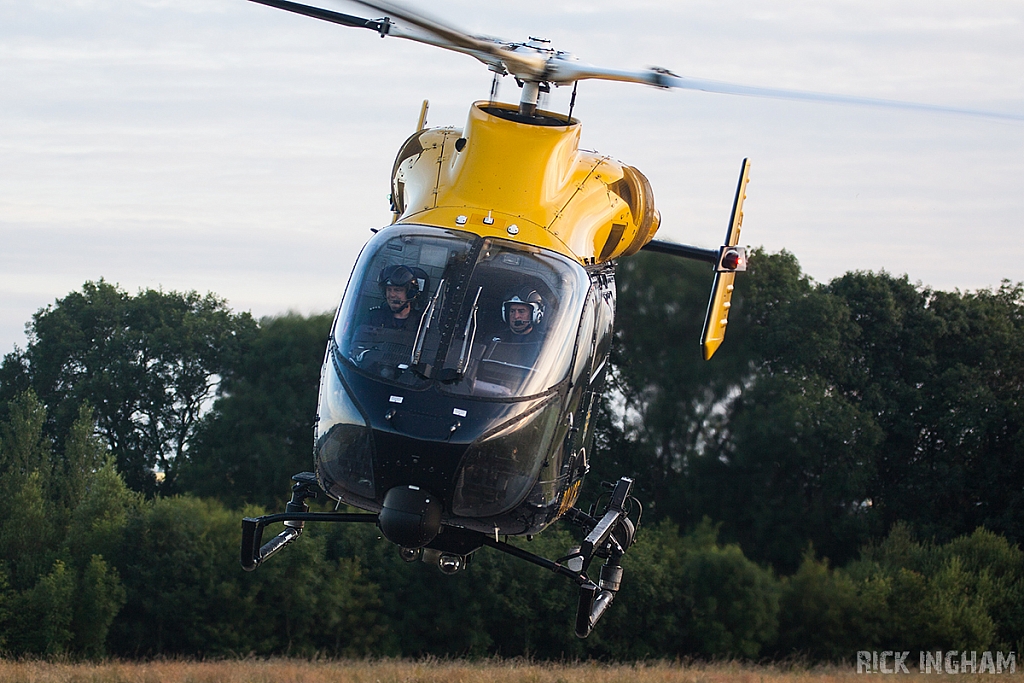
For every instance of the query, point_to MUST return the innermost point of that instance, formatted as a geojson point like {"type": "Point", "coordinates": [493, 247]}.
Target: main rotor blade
{"type": "Point", "coordinates": [501, 57]}
{"type": "Point", "coordinates": [563, 71]}
{"type": "Point", "coordinates": [324, 14]}
{"type": "Point", "coordinates": [527, 66]}
{"type": "Point", "coordinates": [382, 26]}
{"type": "Point", "coordinates": [806, 96]}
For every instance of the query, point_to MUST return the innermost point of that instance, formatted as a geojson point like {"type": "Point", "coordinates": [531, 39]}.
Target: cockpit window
{"type": "Point", "coordinates": [480, 317]}
{"type": "Point", "coordinates": [391, 319]}
{"type": "Point", "coordinates": [517, 323]}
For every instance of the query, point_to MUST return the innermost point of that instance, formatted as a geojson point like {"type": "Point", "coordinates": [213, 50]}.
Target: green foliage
{"type": "Point", "coordinates": [797, 469]}
{"type": "Point", "coordinates": [28, 539]}
{"type": "Point", "coordinates": [174, 570]}
{"type": "Point", "coordinates": [187, 594]}
{"type": "Point", "coordinates": [308, 604]}
{"type": "Point", "coordinates": [40, 618]}
{"type": "Point", "coordinates": [826, 615]}
{"type": "Point", "coordinates": [147, 364]}
{"type": "Point", "coordinates": [733, 603]}
{"type": "Point", "coordinates": [28, 534]}
{"type": "Point", "coordinates": [838, 410]}
{"type": "Point", "coordinates": [944, 609]}
{"type": "Point", "coordinates": [6, 598]}
{"type": "Point", "coordinates": [652, 600]}
{"type": "Point", "coordinates": [84, 454]}
{"type": "Point", "coordinates": [100, 597]}
{"type": "Point", "coordinates": [493, 606]}
{"type": "Point", "coordinates": [687, 595]}
{"type": "Point", "coordinates": [988, 555]}
{"type": "Point", "coordinates": [861, 411]}
{"type": "Point", "coordinates": [23, 448]}
{"type": "Point", "coordinates": [260, 431]}
{"type": "Point", "coordinates": [962, 594]}
{"type": "Point", "coordinates": [99, 523]}
{"type": "Point", "coordinates": [907, 595]}
{"type": "Point", "coordinates": [666, 400]}
{"type": "Point", "coordinates": [57, 595]}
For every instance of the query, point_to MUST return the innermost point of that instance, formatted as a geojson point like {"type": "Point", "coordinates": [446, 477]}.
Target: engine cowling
{"type": "Point", "coordinates": [502, 170]}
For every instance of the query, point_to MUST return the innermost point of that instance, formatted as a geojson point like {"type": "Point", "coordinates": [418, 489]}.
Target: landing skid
{"type": "Point", "coordinates": [608, 537]}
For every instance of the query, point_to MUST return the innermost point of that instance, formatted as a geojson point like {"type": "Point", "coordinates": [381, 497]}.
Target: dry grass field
{"type": "Point", "coordinates": [445, 671]}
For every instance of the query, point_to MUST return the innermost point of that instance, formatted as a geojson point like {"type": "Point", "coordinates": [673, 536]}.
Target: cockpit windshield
{"type": "Point", "coordinates": [478, 316]}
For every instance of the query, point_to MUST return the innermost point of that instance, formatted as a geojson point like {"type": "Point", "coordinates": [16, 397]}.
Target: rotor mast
{"type": "Point", "coordinates": [528, 100]}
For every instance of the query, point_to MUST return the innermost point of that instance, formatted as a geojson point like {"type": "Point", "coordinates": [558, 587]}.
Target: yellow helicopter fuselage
{"type": "Point", "coordinates": [527, 182]}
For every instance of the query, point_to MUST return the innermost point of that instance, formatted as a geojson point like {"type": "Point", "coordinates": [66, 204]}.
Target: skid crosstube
{"type": "Point", "coordinates": [295, 516]}
{"type": "Point", "coordinates": [608, 537]}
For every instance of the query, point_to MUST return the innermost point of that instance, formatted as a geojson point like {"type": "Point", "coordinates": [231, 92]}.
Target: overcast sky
{"type": "Point", "coordinates": [225, 146]}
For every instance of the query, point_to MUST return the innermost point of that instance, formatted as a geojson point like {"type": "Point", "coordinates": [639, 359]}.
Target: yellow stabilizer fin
{"type": "Point", "coordinates": [721, 292]}
{"type": "Point", "coordinates": [422, 123]}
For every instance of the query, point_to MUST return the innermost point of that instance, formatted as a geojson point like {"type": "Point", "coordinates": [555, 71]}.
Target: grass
{"type": "Point", "coordinates": [441, 671]}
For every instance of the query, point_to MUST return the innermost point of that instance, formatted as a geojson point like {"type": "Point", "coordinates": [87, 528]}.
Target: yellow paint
{"type": "Point", "coordinates": [569, 497]}
{"type": "Point", "coordinates": [721, 293]}
{"type": "Point", "coordinates": [718, 314]}
{"type": "Point", "coordinates": [529, 233]}
{"type": "Point", "coordinates": [532, 176]}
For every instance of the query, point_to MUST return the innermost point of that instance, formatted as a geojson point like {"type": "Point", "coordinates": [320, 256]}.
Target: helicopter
{"type": "Point", "coordinates": [471, 344]}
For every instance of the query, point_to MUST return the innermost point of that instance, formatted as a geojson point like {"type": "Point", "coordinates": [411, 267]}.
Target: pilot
{"type": "Point", "coordinates": [522, 311]}
{"type": "Point", "coordinates": [400, 288]}
{"type": "Point", "coordinates": [512, 353]}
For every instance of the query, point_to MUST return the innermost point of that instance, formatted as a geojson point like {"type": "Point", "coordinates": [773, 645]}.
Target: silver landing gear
{"type": "Point", "coordinates": [412, 520]}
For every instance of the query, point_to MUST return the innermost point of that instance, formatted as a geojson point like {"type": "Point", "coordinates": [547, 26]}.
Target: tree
{"type": "Point", "coordinates": [260, 431]}
{"type": "Point", "coordinates": [796, 471]}
{"type": "Point", "coordinates": [837, 410]}
{"type": "Point", "coordinates": [57, 595]}
{"type": "Point", "coordinates": [40, 617]}
{"type": "Point", "coordinates": [663, 405]}
{"type": "Point", "coordinates": [827, 615]}
{"type": "Point", "coordinates": [965, 593]}
{"type": "Point", "coordinates": [964, 451]}
{"type": "Point", "coordinates": [186, 594]}
{"type": "Point", "coordinates": [147, 365]}
{"type": "Point", "coordinates": [101, 596]}
{"type": "Point", "coordinates": [30, 532]}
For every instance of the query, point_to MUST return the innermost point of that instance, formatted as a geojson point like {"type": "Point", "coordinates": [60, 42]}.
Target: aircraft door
{"type": "Point", "coordinates": [579, 397]}
{"type": "Point", "coordinates": [604, 328]}
{"type": "Point", "coordinates": [583, 362]}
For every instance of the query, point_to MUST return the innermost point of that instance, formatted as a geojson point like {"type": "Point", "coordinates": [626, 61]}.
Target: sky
{"type": "Point", "coordinates": [224, 146]}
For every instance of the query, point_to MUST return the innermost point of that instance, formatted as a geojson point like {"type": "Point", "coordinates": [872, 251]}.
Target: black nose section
{"type": "Point", "coordinates": [410, 517]}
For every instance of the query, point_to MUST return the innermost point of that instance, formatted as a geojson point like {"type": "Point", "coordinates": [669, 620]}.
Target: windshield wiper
{"type": "Point", "coordinates": [421, 331]}
{"type": "Point", "coordinates": [449, 375]}
{"type": "Point", "coordinates": [467, 336]}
